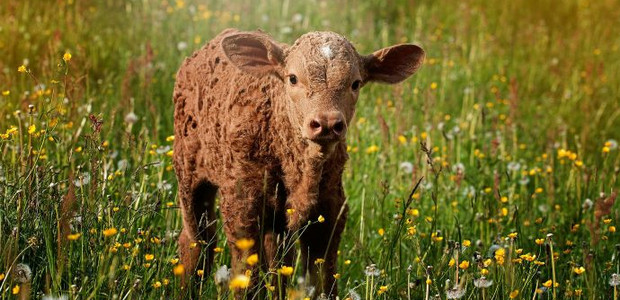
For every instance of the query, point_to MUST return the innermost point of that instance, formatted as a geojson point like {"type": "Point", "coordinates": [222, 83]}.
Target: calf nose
{"type": "Point", "coordinates": [326, 126]}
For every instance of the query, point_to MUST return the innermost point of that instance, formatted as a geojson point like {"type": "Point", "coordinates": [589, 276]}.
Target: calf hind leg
{"type": "Point", "coordinates": [199, 226]}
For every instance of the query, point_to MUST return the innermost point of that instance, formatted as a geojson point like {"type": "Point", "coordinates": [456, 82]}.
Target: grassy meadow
{"type": "Point", "coordinates": [512, 125]}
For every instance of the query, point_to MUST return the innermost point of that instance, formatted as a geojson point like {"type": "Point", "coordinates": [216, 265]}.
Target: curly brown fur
{"type": "Point", "coordinates": [269, 142]}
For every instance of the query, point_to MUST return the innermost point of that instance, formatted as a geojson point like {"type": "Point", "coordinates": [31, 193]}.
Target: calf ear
{"type": "Point", "coordinates": [255, 53]}
{"type": "Point", "coordinates": [393, 64]}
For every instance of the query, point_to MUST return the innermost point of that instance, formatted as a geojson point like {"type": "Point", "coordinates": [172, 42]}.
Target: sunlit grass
{"type": "Point", "coordinates": [511, 125]}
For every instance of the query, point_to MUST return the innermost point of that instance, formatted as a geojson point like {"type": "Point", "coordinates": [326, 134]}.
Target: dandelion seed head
{"type": "Point", "coordinates": [22, 273]}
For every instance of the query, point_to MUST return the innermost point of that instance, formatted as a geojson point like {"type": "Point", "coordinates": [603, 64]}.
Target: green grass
{"type": "Point", "coordinates": [525, 83]}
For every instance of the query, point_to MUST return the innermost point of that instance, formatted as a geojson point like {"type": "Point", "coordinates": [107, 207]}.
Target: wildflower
{"type": "Point", "coordinates": [149, 257]}
{"type": "Point", "coordinates": [513, 235]}
{"type": "Point", "coordinates": [550, 282]}
{"type": "Point", "coordinates": [482, 282]}
{"type": "Point", "coordinates": [337, 276]}
{"type": "Point", "coordinates": [239, 282]}
{"type": "Point", "coordinates": [290, 211]}
{"type": "Point", "coordinates": [244, 244]}
{"type": "Point", "coordinates": [15, 289]}
{"type": "Point", "coordinates": [170, 138]}
{"type": "Point", "coordinates": [222, 275]}
{"type": "Point", "coordinates": [382, 289]}
{"type": "Point", "coordinates": [22, 69]}
{"type": "Point", "coordinates": [178, 270]}
{"type": "Point", "coordinates": [579, 270]}
{"type": "Point", "coordinates": [433, 85]}
{"type": "Point", "coordinates": [451, 262]}
{"type": "Point", "coordinates": [131, 118]}
{"type": "Point", "coordinates": [406, 167]}
{"type": "Point", "coordinates": [466, 243]}
{"type": "Point", "coordinates": [66, 57]}
{"type": "Point", "coordinates": [612, 229]}
{"type": "Point", "coordinates": [372, 149]}
{"type": "Point", "coordinates": [381, 231]}
{"type": "Point", "coordinates": [514, 294]}
{"type": "Point", "coordinates": [484, 272]}
{"type": "Point", "coordinates": [411, 230]}
{"type": "Point", "coordinates": [455, 293]}
{"type": "Point", "coordinates": [6, 93]}
{"type": "Point", "coordinates": [74, 236]}
{"type": "Point", "coordinates": [252, 259]}
{"type": "Point", "coordinates": [174, 261]}
{"type": "Point", "coordinates": [285, 271]}
{"type": "Point", "coordinates": [372, 271]}
{"type": "Point", "coordinates": [539, 242]}
{"type": "Point", "coordinates": [614, 280]}
{"type": "Point", "coordinates": [319, 261]}
{"type": "Point", "coordinates": [32, 129]}
{"type": "Point", "coordinates": [321, 219]}
{"type": "Point", "coordinates": [157, 284]}
{"type": "Point", "coordinates": [464, 265]}
{"type": "Point", "coordinates": [218, 250]}
{"type": "Point", "coordinates": [499, 255]}
{"type": "Point", "coordinates": [1, 276]}
{"type": "Point", "coordinates": [22, 273]}
{"type": "Point", "coordinates": [200, 272]}
{"type": "Point", "coordinates": [110, 232]}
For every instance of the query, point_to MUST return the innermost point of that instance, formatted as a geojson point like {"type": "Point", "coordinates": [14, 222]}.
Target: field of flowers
{"type": "Point", "coordinates": [490, 174]}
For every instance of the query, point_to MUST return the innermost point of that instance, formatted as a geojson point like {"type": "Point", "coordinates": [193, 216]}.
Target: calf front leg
{"type": "Point", "coordinates": [319, 248]}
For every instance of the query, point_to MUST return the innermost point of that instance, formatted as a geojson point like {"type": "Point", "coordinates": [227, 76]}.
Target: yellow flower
{"type": "Point", "coordinates": [15, 289]}
{"type": "Point", "coordinates": [607, 221]}
{"type": "Point", "coordinates": [74, 236]}
{"type": "Point", "coordinates": [549, 282]}
{"type": "Point", "coordinates": [579, 270]}
{"type": "Point", "coordinates": [347, 262]}
{"type": "Point", "coordinates": [612, 229]}
{"type": "Point", "coordinates": [6, 93]}
{"type": "Point", "coordinates": [174, 261]}
{"type": "Point", "coordinates": [239, 282]}
{"type": "Point", "coordinates": [451, 262]}
{"type": "Point", "coordinates": [428, 281]}
{"type": "Point", "coordinates": [1, 276]}
{"type": "Point", "coordinates": [170, 138]}
{"type": "Point", "coordinates": [244, 244]}
{"type": "Point", "coordinates": [433, 85]}
{"type": "Point", "coordinates": [402, 139]}
{"type": "Point", "coordinates": [466, 243]}
{"type": "Point", "coordinates": [157, 284]}
{"type": "Point", "coordinates": [372, 149]}
{"type": "Point", "coordinates": [321, 219]}
{"type": "Point", "coordinates": [464, 265]}
{"type": "Point", "coordinates": [290, 211]}
{"type": "Point", "coordinates": [110, 232]}
{"type": "Point", "coordinates": [218, 250]}
{"type": "Point", "coordinates": [178, 270]}
{"type": "Point", "coordinates": [411, 230]}
{"type": "Point", "coordinates": [514, 294]}
{"type": "Point", "coordinates": [21, 69]}
{"type": "Point", "coordinates": [319, 261]}
{"type": "Point", "coordinates": [484, 272]}
{"type": "Point", "coordinates": [149, 257]}
{"type": "Point", "coordinates": [200, 273]}
{"type": "Point", "coordinates": [606, 149]}
{"type": "Point", "coordinates": [170, 153]}
{"type": "Point", "coordinates": [78, 149]}
{"type": "Point", "coordinates": [513, 235]}
{"type": "Point", "coordinates": [252, 259]}
{"type": "Point", "coordinates": [540, 241]}
{"type": "Point", "coordinates": [165, 281]}
{"type": "Point", "coordinates": [285, 271]}
{"type": "Point", "coordinates": [381, 231]}
{"type": "Point", "coordinates": [383, 289]}
{"type": "Point", "coordinates": [32, 128]}
{"type": "Point", "coordinates": [66, 57]}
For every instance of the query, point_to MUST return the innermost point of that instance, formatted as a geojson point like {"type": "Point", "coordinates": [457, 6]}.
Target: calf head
{"type": "Point", "coordinates": [323, 74]}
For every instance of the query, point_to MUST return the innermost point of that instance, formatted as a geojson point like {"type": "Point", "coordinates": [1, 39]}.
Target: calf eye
{"type": "Point", "coordinates": [356, 85]}
{"type": "Point", "coordinates": [292, 79]}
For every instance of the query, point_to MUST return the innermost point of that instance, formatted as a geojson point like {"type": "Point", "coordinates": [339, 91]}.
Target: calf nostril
{"type": "Point", "coordinates": [338, 127]}
{"type": "Point", "coordinates": [314, 125]}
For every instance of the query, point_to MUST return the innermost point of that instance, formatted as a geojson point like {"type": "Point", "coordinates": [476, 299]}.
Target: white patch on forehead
{"type": "Point", "coordinates": [327, 52]}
